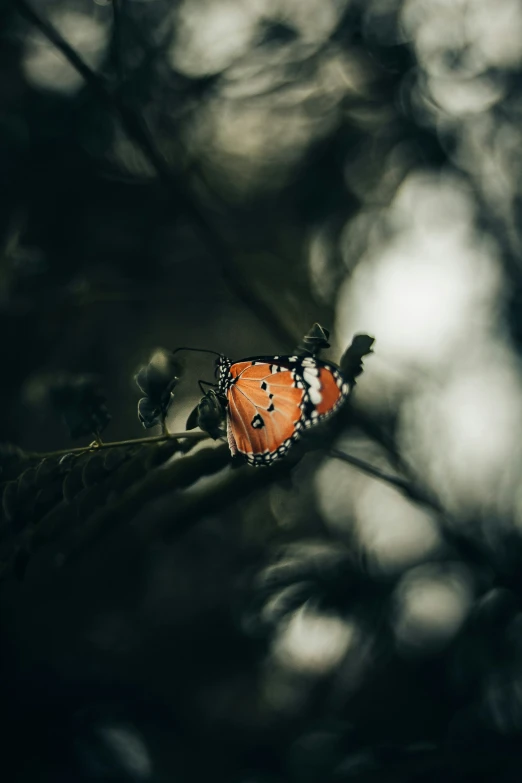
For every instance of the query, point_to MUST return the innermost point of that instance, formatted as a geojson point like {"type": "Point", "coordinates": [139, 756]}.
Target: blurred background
{"type": "Point", "coordinates": [221, 174]}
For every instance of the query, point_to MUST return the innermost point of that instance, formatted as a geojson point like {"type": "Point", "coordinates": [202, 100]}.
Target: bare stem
{"type": "Point", "coordinates": [114, 444]}
{"type": "Point", "coordinates": [117, 15]}
{"type": "Point", "coordinates": [406, 487]}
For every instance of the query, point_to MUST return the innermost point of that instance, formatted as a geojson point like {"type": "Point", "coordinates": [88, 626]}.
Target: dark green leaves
{"type": "Point", "coordinates": [351, 360]}
{"type": "Point", "coordinates": [54, 495]}
{"type": "Point", "coordinates": [157, 380]}
{"type": "Point", "coordinates": [36, 489]}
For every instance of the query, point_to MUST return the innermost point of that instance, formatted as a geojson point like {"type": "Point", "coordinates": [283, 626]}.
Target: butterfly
{"type": "Point", "coordinates": [268, 401]}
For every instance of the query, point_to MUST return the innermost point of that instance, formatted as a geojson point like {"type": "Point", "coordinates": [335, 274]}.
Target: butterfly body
{"type": "Point", "coordinates": [270, 400]}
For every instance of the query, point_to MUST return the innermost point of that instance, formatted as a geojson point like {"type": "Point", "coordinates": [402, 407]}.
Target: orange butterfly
{"type": "Point", "coordinates": [270, 400]}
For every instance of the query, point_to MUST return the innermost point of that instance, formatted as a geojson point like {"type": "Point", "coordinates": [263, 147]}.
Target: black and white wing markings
{"type": "Point", "coordinates": [264, 396]}
{"type": "Point", "coordinates": [271, 399]}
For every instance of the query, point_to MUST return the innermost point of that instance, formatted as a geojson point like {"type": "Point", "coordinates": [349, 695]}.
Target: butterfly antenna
{"type": "Point", "coordinates": [197, 350]}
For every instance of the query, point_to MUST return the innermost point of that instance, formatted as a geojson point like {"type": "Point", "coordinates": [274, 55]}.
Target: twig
{"type": "Point", "coordinates": [465, 545]}
{"type": "Point", "coordinates": [139, 134]}
{"type": "Point", "coordinates": [115, 443]}
{"type": "Point", "coordinates": [403, 485]}
{"type": "Point", "coordinates": [117, 43]}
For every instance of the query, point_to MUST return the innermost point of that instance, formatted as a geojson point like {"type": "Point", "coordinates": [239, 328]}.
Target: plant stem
{"type": "Point", "coordinates": [114, 444]}
{"type": "Point", "coordinates": [117, 53]}
{"type": "Point", "coordinates": [404, 486]}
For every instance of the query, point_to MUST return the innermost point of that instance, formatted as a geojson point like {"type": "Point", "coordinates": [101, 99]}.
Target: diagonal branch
{"type": "Point", "coordinates": [403, 485]}
{"type": "Point", "coordinates": [138, 132]}
{"type": "Point", "coordinates": [471, 550]}
{"type": "Point", "coordinates": [118, 443]}
{"type": "Point", "coordinates": [117, 43]}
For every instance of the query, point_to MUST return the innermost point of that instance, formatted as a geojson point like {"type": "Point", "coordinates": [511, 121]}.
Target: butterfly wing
{"type": "Point", "coordinates": [272, 399]}
{"type": "Point", "coordinates": [326, 389]}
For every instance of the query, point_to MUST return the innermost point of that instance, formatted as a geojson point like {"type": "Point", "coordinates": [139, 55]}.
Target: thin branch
{"type": "Point", "coordinates": [117, 42]}
{"type": "Point", "coordinates": [404, 486]}
{"type": "Point", "coordinates": [138, 132]}
{"type": "Point", "coordinates": [471, 550]}
{"type": "Point", "coordinates": [115, 443]}
{"type": "Point", "coordinates": [377, 433]}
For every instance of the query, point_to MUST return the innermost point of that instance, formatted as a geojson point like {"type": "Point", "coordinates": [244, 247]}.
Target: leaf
{"type": "Point", "coordinates": [90, 499]}
{"type": "Point", "coordinates": [314, 341]}
{"type": "Point", "coordinates": [62, 494]}
{"type": "Point", "coordinates": [210, 414]}
{"type": "Point", "coordinates": [157, 380]}
{"type": "Point", "coordinates": [27, 481]}
{"type": "Point", "coordinates": [66, 462]}
{"type": "Point", "coordinates": [10, 500]}
{"type": "Point", "coordinates": [73, 483]}
{"type": "Point", "coordinates": [48, 497]}
{"type": "Point", "coordinates": [141, 379]}
{"type": "Point", "coordinates": [193, 419]}
{"type": "Point", "coordinates": [160, 453]}
{"type": "Point", "coordinates": [93, 470]}
{"type": "Point", "coordinates": [351, 360]}
{"type": "Point", "coordinates": [149, 413]}
{"type": "Point", "coordinates": [133, 470]}
{"type": "Point", "coordinates": [113, 458]}
{"type": "Point", "coordinates": [22, 507]}
{"type": "Point", "coordinates": [46, 470]}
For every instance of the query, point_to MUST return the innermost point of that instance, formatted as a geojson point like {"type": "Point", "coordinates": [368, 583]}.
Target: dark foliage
{"type": "Point", "coordinates": [314, 341]}
{"type": "Point", "coordinates": [351, 360]}
{"type": "Point", "coordinates": [208, 415]}
{"type": "Point", "coordinates": [225, 174]}
{"type": "Point", "coordinates": [157, 380]}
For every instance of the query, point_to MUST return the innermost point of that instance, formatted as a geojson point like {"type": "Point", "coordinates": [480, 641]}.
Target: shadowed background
{"type": "Point", "coordinates": [234, 171]}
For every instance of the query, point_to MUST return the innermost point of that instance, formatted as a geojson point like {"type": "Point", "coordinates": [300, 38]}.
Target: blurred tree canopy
{"type": "Point", "coordinates": [222, 174]}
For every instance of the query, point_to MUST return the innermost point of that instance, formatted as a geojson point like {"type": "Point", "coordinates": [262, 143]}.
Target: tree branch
{"type": "Point", "coordinates": [115, 443]}
{"type": "Point", "coordinates": [138, 132]}
{"type": "Point", "coordinates": [117, 43]}
{"type": "Point", "coordinates": [406, 487]}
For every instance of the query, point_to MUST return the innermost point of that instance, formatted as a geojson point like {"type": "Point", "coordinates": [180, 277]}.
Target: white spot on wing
{"type": "Point", "coordinates": [311, 377]}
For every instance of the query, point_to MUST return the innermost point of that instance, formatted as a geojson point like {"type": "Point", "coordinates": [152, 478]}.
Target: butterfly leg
{"type": "Point", "coordinates": [206, 383]}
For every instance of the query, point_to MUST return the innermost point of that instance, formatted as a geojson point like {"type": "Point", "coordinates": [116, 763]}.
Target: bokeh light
{"type": "Point", "coordinates": [241, 170]}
